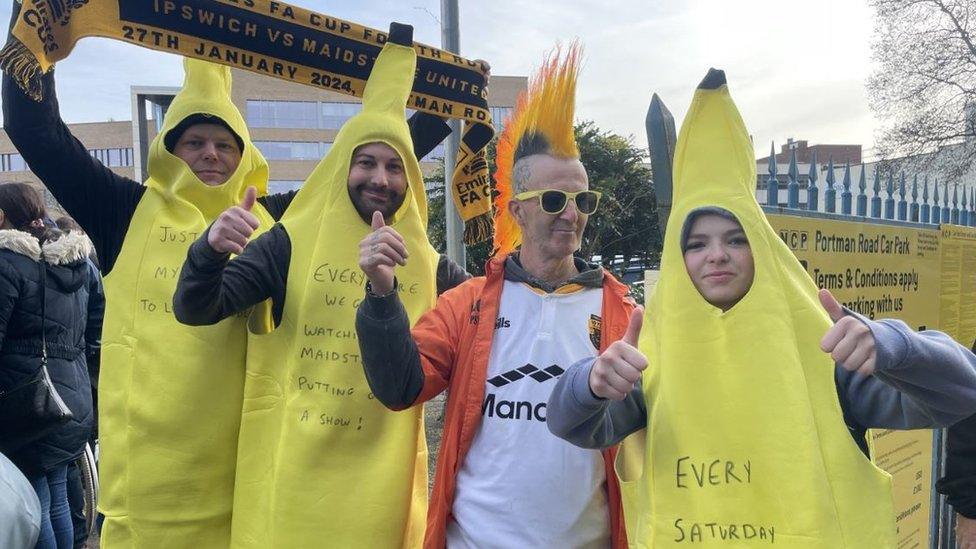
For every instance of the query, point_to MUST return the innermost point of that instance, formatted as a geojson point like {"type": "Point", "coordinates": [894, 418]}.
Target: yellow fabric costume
{"type": "Point", "coordinates": [321, 461]}
{"type": "Point", "coordinates": [746, 443]}
{"type": "Point", "coordinates": [170, 395]}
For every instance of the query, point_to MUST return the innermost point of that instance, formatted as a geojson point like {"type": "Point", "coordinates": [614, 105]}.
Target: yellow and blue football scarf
{"type": "Point", "coordinates": [277, 40]}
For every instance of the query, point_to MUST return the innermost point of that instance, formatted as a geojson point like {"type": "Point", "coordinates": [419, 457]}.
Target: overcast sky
{"type": "Point", "coordinates": [796, 68]}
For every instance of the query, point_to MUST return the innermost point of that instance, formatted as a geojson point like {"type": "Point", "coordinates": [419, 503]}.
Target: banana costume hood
{"type": "Point", "coordinates": [744, 448]}
{"type": "Point", "coordinates": [170, 395]}
{"type": "Point", "coordinates": [321, 461]}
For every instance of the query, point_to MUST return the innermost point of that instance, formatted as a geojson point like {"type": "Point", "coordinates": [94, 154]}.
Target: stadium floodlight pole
{"type": "Point", "coordinates": [451, 41]}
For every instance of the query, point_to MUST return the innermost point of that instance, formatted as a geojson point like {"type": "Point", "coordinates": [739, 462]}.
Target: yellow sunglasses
{"type": "Point", "coordinates": [553, 201]}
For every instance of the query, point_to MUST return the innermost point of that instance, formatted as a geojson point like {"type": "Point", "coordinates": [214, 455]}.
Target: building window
{"type": "Point", "coordinates": [292, 150]}
{"type": "Point", "coordinates": [12, 162]}
{"type": "Point", "coordinates": [113, 158]}
{"type": "Point", "coordinates": [282, 114]}
{"type": "Point", "coordinates": [281, 186]}
{"type": "Point", "coordinates": [300, 114]}
{"type": "Point", "coordinates": [334, 115]}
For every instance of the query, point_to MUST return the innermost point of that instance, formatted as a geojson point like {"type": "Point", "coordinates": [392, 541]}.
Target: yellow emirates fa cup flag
{"type": "Point", "coordinates": [746, 445]}
{"type": "Point", "coordinates": [322, 463]}
{"type": "Point", "coordinates": [170, 395]}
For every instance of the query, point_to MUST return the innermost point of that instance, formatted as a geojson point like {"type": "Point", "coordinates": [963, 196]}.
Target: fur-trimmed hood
{"type": "Point", "coordinates": [71, 247]}
{"type": "Point", "coordinates": [20, 242]}
{"type": "Point", "coordinates": [66, 258]}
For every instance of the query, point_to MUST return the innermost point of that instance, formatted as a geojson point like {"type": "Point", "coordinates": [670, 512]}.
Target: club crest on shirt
{"type": "Point", "coordinates": [596, 330]}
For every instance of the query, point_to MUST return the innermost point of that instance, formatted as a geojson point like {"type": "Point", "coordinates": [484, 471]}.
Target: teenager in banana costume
{"type": "Point", "coordinates": [754, 383]}
{"type": "Point", "coordinates": [321, 462]}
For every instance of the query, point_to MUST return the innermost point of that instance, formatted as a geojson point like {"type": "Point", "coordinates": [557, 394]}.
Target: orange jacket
{"type": "Point", "coordinates": [455, 340]}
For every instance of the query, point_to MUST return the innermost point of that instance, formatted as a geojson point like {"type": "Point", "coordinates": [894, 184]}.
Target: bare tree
{"type": "Point", "coordinates": [924, 87]}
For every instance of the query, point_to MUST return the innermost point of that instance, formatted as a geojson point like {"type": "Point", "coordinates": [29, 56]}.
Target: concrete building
{"type": "Point", "coordinates": [293, 125]}
{"type": "Point", "coordinates": [805, 155]}
{"type": "Point", "coordinates": [841, 154]}
{"type": "Point", "coordinates": [110, 142]}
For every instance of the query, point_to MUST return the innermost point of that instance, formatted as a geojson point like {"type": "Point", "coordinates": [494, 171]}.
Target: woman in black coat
{"type": "Point", "coordinates": [26, 248]}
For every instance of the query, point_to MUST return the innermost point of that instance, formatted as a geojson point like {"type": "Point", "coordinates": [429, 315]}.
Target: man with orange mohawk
{"type": "Point", "coordinates": [499, 342]}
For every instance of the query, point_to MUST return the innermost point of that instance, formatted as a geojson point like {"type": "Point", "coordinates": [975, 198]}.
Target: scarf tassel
{"type": "Point", "coordinates": [478, 229]}
{"type": "Point", "coordinates": [21, 64]}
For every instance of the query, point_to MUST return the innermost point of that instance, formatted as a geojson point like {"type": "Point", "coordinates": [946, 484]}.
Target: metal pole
{"type": "Point", "coordinates": [938, 538]}
{"type": "Point", "coordinates": [451, 41]}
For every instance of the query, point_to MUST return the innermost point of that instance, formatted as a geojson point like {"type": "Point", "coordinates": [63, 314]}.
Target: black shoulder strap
{"type": "Point", "coordinates": [43, 268]}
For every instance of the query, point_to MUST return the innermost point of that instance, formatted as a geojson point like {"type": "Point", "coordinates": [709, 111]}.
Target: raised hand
{"type": "Point", "coordinates": [616, 370]}
{"type": "Point", "coordinates": [232, 230]}
{"type": "Point", "coordinates": [379, 254]}
{"type": "Point", "coordinates": [849, 342]}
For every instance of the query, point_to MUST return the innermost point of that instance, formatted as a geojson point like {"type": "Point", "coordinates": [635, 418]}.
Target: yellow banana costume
{"type": "Point", "coordinates": [170, 395]}
{"type": "Point", "coordinates": [321, 462]}
{"type": "Point", "coordinates": [746, 443]}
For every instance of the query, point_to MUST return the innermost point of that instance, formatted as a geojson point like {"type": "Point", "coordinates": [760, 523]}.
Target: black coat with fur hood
{"type": "Point", "coordinates": [67, 292]}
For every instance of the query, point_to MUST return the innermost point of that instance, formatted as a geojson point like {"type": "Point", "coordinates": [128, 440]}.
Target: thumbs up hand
{"type": "Point", "coordinates": [379, 254]}
{"type": "Point", "coordinates": [234, 227]}
{"type": "Point", "coordinates": [849, 342]}
{"type": "Point", "coordinates": [616, 370]}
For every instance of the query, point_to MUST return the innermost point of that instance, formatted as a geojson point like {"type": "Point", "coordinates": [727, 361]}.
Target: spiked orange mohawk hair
{"type": "Point", "coordinates": [544, 113]}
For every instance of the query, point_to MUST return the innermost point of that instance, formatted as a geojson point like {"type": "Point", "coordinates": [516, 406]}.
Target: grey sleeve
{"type": "Point", "coordinates": [213, 287]}
{"type": "Point", "coordinates": [390, 356]}
{"type": "Point", "coordinates": [449, 274]}
{"type": "Point", "coordinates": [922, 380]}
{"type": "Point", "coordinates": [576, 415]}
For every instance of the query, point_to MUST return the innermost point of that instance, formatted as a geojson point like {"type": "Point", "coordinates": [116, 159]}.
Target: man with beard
{"type": "Point", "coordinates": [167, 478]}
{"type": "Point", "coordinates": [312, 435]}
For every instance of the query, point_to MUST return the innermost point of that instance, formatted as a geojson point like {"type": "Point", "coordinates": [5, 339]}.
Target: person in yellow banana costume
{"type": "Point", "coordinates": [320, 460]}
{"type": "Point", "coordinates": [167, 477]}
{"type": "Point", "coordinates": [170, 396]}
{"type": "Point", "coordinates": [755, 381]}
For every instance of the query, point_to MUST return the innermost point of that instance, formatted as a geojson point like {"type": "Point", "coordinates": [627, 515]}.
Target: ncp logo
{"type": "Point", "coordinates": [796, 240]}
